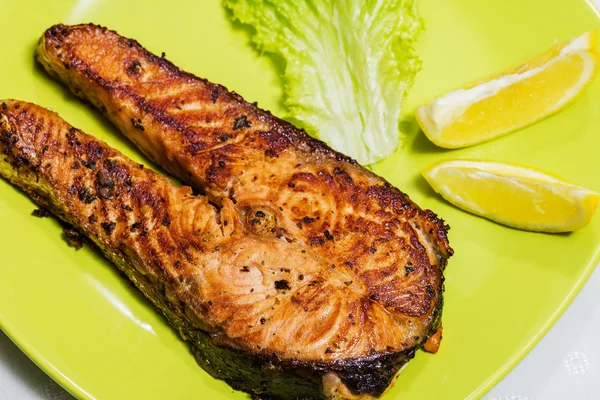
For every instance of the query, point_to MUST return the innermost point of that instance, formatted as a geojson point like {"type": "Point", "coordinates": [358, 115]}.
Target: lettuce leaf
{"type": "Point", "coordinates": [349, 64]}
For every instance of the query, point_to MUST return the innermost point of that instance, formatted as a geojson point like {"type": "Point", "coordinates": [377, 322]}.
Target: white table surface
{"type": "Point", "coordinates": [565, 365]}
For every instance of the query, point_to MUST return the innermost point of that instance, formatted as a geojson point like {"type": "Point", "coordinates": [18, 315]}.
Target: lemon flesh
{"type": "Point", "coordinates": [511, 100]}
{"type": "Point", "coordinates": [513, 195]}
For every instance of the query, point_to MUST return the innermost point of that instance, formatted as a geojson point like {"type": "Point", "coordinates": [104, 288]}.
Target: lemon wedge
{"type": "Point", "coordinates": [513, 99]}
{"type": "Point", "coordinates": [513, 195]}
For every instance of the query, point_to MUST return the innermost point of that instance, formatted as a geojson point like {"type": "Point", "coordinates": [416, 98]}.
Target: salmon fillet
{"type": "Point", "coordinates": [284, 187]}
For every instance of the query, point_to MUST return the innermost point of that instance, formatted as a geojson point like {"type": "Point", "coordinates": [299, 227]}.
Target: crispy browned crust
{"type": "Point", "coordinates": [283, 185]}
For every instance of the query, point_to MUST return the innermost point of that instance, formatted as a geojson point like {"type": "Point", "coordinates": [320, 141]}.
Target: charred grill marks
{"type": "Point", "coordinates": [286, 187]}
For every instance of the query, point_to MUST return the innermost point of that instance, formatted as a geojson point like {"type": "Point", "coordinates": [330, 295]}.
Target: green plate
{"type": "Point", "coordinates": [91, 331]}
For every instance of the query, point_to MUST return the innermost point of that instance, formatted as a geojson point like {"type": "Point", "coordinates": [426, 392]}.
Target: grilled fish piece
{"type": "Point", "coordinates": [260, 311]}
{"type": "Point", "coordinates": [284, 185]}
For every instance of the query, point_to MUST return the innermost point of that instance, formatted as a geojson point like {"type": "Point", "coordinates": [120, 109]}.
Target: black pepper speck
{"type": "Point", "coordinates": [108, 227]}
{"type": "Point", "coordinates": [241, 122]}
{"type": "Point", "coordinates": [85, 195]}
{"type": "Point", "coordinates": [282, 285]}
{"type": "Point", "coordinates": [308, 220]}
{"type": "Point", "coordinates": [40, 213]}
{"type": "Point", "coordinates": [137, 125]}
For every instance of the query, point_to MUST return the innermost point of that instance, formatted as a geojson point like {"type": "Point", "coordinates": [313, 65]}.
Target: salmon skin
{"type": "Point", "coordinates": [374, 294]}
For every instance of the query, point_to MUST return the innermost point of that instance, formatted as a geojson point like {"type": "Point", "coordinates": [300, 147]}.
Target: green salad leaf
{"type": "Point", "coordinates": [349, 64]}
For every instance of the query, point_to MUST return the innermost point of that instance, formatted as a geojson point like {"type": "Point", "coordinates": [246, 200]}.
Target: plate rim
{"type": "Point", "coordinates": [63, 380]}
{"type": "Point", "coordinates": [27, 348]}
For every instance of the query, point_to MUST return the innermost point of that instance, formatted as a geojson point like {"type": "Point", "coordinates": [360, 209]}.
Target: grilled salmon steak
{"type": "Point", "coordinates": [329, 279]}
